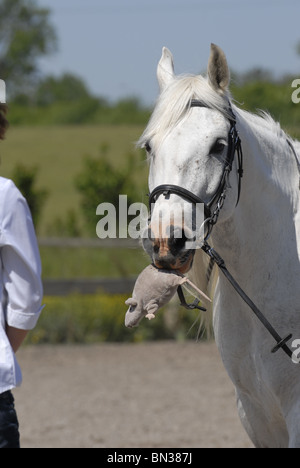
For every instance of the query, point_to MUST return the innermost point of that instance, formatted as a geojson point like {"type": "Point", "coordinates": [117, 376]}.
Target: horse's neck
{"type": "Point", "coordinates": [259, 242]}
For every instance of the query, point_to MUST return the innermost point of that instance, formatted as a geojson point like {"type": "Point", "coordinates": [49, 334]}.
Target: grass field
{"type": "Point", "coordinates": [58, 152]}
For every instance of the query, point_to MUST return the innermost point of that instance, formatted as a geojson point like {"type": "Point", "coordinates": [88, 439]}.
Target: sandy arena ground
{"type": "Point", "coordinates": [157, 395]}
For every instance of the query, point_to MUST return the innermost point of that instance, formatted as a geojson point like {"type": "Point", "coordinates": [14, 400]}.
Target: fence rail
{"type": "Point", "coordinates": [63, 287]}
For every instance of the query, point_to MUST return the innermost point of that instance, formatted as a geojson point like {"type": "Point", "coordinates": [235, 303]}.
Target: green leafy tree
{"type": "Point", "coordinates": [66, 88]}
{"type": "Point", "coordinates": [26, 34]}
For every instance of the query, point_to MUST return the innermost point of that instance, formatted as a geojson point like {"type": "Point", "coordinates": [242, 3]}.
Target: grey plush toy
{"type": "Point", "coordinates": [152, 290]}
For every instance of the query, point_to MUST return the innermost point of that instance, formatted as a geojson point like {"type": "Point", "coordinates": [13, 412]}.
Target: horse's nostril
{"type": "Point", "coordinates": [179, 243]}
{"type": "Point", "coordinates": [177, 240]}
{"type": "Point", "coordinates": [156, 248]}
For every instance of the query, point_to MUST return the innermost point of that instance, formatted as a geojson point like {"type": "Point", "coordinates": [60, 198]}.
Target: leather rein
{"type": "Point", "coordinates": [212, 210]}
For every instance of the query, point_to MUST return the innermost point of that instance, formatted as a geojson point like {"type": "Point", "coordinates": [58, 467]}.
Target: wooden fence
{"type": "Point", "coordinates": [62, 287]}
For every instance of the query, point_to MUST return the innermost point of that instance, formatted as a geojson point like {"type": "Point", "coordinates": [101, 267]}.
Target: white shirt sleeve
{"type": "Point", "coordinates": [21, 266]}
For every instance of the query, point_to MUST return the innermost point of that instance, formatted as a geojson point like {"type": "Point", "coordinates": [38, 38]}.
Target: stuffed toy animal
{"type": "Point", "coordinates": [153, 289]}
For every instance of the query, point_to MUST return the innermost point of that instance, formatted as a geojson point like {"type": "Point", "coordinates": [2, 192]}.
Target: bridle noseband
{"type": "Point", "coordinates": [213, 207]}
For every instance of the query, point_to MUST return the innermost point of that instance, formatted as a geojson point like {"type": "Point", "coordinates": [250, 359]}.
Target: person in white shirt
{"type": "Point", "coordinates": [21, 294]}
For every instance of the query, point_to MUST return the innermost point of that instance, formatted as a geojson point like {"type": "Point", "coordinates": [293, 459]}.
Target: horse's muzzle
{"type": "Point", "coordinates": [169, 252]}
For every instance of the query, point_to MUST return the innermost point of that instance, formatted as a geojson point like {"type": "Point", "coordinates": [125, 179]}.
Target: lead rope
{"type": "Point", "coordinates": [281, 342]}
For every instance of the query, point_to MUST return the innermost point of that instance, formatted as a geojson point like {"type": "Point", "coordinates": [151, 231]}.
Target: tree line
{"type": "Point", "coordinates": [27, 35]}
{"type": "Point", "coordinates": [66, 100]}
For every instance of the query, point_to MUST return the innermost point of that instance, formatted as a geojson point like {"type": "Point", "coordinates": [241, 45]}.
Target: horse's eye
{"type": "Point", "coordinates": [148, 147]}
{"type": "Point", "coordinates": [218, 147]}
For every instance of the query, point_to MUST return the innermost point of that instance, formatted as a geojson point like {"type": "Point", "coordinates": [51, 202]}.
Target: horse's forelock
{"type": "Point", "coordinates": [173, 105]}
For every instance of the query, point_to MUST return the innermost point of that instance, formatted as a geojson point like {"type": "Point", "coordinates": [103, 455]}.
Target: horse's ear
{"type": "Point", "coordinates": [165, 69]}
{"type": "Point", "coordinates": [218, 70]}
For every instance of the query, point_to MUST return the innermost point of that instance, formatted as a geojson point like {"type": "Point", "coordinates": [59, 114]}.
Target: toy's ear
{"type": "Point", "coordinates": [131, 302]}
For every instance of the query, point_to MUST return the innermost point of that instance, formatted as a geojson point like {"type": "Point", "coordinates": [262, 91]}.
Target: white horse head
{"type": "Point", "coordinates": [187, 147]}
{"type": "Point", "coordinates": [259, 238]}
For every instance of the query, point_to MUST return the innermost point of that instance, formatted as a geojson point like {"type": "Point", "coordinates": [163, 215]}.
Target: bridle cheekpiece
{"type": "Point", "coordinates": [213, 207]}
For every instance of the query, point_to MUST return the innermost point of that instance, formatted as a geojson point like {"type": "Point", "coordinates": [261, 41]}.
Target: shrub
{"type": "Point", "coordinates": [100, 318]}
{"type": "Point", "coordinates": [101, 181]}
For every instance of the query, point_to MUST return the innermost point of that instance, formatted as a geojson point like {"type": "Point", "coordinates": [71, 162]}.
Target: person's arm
{"type": "Point", "coordinates": [21, 268]}
{"type": "Point", "coordinates": [15, 337]}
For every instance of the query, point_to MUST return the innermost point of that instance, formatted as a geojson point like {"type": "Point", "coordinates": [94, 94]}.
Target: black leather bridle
{"type": "Point", "coordinates": [212, 214]}
{"type": "Point", "coordinates": [215, 204]}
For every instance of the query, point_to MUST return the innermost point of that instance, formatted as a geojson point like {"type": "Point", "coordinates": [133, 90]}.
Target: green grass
{"type": "Point", "coordinates": [58, 152]}
{"type": "Point", "coordinates": [294, 132]}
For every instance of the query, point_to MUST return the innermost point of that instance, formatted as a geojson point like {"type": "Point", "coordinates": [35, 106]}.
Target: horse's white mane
{"type": "Point", "coordinates": [262, 120]}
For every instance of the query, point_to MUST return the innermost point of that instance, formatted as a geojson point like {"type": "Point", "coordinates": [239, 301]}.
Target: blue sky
{"type": "Point", "coordinates": [114, 45]}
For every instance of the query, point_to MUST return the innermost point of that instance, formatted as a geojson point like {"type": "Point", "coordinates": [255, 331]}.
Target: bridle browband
{"type": "Point", "coordinates": [213, 207]}
{"type": "Point", "coordinates": [234, 146]}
